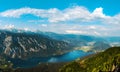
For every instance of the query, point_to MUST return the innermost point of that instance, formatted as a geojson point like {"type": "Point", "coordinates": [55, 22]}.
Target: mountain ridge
{"type": "Point", "coordinates": [25, 43]}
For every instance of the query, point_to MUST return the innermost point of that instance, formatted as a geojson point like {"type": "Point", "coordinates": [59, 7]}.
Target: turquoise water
{"type": "Point", "coordinates": [70, 56]}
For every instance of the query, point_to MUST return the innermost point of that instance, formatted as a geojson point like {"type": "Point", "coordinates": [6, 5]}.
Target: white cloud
{"type": "Point", "coordinates": [16, 13]}
{"type": "Point", "coordinates": [92, 27]}
{"type": "Point", "coordinates": [76, 32]}
{"type": "Point", "coordinates": [75, 13]}
{"type": "Point", "coordinates": [43, 25]}
{"type": "Point", "coordinates": [9, 26]}
{"type": "Point", "coordinates": [76, 19]}
{"type": "Point", "coordinates": [26, 29]}
{"type": "Point", "coordinates": [97, 33]}
{"type": "Point", "coordinates": [84, 32]}
{"type": "Point", "coordinates": [55, 15]}
{"type": "Point", "coordinates": [98, 12]}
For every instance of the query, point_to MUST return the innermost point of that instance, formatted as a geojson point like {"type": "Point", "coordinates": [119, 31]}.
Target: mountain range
{"type": "Point", "coordinates": [27, 45]}
{"type": "Point", "coordinates": [24, 44]}
{"type": "Point", "coordinates": [17, 45]}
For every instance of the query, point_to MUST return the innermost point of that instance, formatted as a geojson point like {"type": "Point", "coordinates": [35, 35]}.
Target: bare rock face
{"type": "Point", "coordinates": [26, 45]}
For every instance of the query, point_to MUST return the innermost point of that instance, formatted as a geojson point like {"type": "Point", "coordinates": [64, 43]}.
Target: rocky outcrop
{"type": "Point", "coordinates": [26, 45]}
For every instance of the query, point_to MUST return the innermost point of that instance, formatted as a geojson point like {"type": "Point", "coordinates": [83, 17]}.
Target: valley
{"type": "Point", "coordinates": [59, 36]}
{"type": "Point", "coordinates": [26, 50]}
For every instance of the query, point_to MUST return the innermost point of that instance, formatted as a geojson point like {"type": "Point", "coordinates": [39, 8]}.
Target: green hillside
{"type": "Point", "coordinates": [107, 61]}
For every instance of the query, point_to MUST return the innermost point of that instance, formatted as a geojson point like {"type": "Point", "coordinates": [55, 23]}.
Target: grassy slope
{"type": "Point", "coordinates": [105, 61]}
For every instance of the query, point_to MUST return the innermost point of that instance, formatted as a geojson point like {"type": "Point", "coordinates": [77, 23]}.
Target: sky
{"type": "Point", "coordinates": [85, 17]}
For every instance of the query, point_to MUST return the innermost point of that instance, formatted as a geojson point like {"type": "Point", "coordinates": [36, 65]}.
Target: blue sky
{"type": "Point", "coordinates": [91, 17]}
